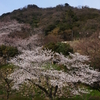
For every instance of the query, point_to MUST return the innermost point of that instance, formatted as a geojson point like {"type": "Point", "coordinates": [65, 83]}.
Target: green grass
{"type": "Point", "coordinates": [6, 66]}
{"type": "Point", "coordinates": [94, 95]}
{"type": "Point", "coordinates": [20, 98]}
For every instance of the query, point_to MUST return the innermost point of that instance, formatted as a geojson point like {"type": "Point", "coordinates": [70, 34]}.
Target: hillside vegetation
{"type": "Point", "coordinates": [50, 53]}
{"type": "Point", "coordinates": [63, 20]}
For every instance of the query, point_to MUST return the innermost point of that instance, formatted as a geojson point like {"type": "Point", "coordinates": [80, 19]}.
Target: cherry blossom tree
{"type": "Point", "coordinates": [31, 68]}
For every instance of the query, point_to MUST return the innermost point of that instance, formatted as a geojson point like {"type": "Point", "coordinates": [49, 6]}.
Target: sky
{"type": "Point", "coordinates": [10, 5]}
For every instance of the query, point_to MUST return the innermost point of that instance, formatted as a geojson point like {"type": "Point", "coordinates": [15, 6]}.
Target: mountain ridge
{"type": "Point", "coordinates": [62, 20]}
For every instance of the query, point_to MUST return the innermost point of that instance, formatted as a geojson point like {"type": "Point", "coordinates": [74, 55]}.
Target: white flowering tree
{"type": "Point", "coordinates": [31, 68]}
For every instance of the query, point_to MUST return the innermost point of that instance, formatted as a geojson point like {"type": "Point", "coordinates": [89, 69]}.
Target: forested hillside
{"type": "Point", "coordinates": [50, 53]}
{"type": "Point", "coordinates": [63, 20]}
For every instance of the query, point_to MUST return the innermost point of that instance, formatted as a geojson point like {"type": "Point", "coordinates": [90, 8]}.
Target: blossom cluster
{"type": "Point", "coordinates": [30, 66]}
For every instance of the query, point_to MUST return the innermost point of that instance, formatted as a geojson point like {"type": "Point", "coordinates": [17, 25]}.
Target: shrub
{"type": "Point", "coordinates": [8, 51]}
{"type": "Point", "coordinates": [59, 47]}
{"type": "Point", "coordinates": [49, 28]}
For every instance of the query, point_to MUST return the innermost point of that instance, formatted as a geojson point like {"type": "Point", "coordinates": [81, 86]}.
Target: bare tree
{"type": "Point", "coordinates": [91, 47]}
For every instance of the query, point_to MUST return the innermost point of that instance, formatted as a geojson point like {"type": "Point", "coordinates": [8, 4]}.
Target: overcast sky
{"type": "Point", "coordinates": [10, 5]}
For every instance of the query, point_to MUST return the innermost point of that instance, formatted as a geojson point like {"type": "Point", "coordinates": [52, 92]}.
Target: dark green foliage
{"type": "Point", "coordinates": [49, 28]}
{"type": "Point", "coordinates": [34, 22]}
{"type": "Point", "coordinates": [66, 4]}
{"type": "Point", "coordinates": [63, 48]}
{"type": "Point", "coordinates": [60, 48]}
{"type": "Point", "coordinates": [50, 46]}
{"type": "Point", "coordinates": [8, 51]}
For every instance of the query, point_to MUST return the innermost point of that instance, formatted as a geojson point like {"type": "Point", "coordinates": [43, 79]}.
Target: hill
{"type": "Point", "coordinates": [63, 21]}
{"type": "Point", "coordinates": [50, 53]}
